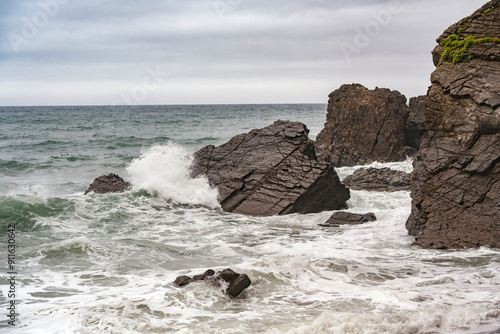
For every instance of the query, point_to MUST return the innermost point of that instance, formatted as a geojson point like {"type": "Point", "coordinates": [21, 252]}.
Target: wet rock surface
{"type": "Point", "coordinates": [110, 183]}
{"type": "Point", "coordinates": [378, 179]}
{"type": "Point", "coordinates": [456, 186]}
{"type": "Point", "coordinates": [234, 281]}
{"type": "Point", "coordinates": [271, 171]}
{"type": "Point", "coordinates": [364, 126]}
{"type": "Point", "coordinates": [347, 218]}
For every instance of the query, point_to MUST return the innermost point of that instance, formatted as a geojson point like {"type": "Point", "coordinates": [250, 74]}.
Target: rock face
{"type": "Point", "coordinates": [110, 183]}
{"type": "Point", "coordinates": [456, 188]}
{"type": "Point", "coordinates": [378, 179]}
{"type": "Point", "coordinates": [347, 218]}
{"type": "Point", "coordinates": [415, 124]}
{"type": "Point", "coordinates": [363, 126]}
{"type": "Point", "coordinates": [271, 171]}
{"type": "Point", "coordinates": [235, 282]}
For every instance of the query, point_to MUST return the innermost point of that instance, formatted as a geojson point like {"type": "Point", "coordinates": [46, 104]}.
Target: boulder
{"type": "Point", "coordinates": [347, 218]}
{"type": "Point", "coordinates": [110, 183]}
{"type": "Point", "coordinates": [363, 126]}
{"type": "Point", "coordinates": [378, 179]}
{"type": "Point", "coordinates": [271, 171]}
{"type": "Point", "coordinates": [456, 185]}
{"type": "Point", "coordinates": [234, 282]}
{"type": "Point", "coordinates": [415, 123]}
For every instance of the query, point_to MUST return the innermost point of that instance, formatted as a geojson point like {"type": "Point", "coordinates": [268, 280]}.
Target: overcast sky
{"type": "Point", "coordinates": [81, 52]}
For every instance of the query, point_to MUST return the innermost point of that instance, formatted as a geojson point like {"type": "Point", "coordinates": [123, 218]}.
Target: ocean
{"type": "Point", "coordinates": [105, 263]}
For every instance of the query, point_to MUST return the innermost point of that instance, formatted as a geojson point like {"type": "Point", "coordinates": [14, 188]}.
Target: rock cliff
{"type": "Point", "coordinates": [363, 126]}
{"type": "Point", "coordinates": [456, 186]}
{"type": "Point", "coordinates": [271, 171]}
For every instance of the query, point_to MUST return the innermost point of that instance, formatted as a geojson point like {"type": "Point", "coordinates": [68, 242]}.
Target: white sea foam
{"type": "Point", "coordinates": [163, 170]}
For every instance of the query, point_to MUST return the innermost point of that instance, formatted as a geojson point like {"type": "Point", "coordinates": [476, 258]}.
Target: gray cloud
{"type": "Point", "coordinates": [227, 51]}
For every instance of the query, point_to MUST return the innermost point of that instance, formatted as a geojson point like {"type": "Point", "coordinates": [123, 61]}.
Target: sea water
{"type": "Point", "coordinates": [105, 263]}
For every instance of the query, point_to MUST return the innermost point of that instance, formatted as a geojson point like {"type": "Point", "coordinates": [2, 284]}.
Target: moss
{"type": "Point", "coordinates": [488, 10]}
{"type": "Point", "coordinates": [454, 49]}
{"type": "Point", "coordinates": [460, 28]}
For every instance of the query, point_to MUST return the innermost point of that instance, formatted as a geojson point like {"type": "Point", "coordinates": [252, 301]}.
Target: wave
{"type": "Point", "coordinates": [163, 170]}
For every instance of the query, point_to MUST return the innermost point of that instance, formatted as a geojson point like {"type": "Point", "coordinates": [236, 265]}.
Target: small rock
{"type": "Point", "coordinates": [182, 280]}
{"type": "Point", "coordinates": [110, 183]}
{"type": "Point", "coordinates": [347, 218]}
{"type": "Point", "coordinates": [378, 179]}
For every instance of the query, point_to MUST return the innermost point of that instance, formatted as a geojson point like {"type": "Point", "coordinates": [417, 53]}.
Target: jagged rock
{"type": "Point", "coordinates": [415, 124]}
{"type": "Point", "coordinates": [363, 126]}
{"type": "Point", "coordinates": [110, 183]}
{"type": "Point", "coordinates": [347, 218]}
{"type": "Point", "coordinates": [271, 171]}
{"type": "Point", "coordinates": [235, 282]}
{"type": "Point", "coordinates": [456, 187]}
{"type": "Point", "coordinates": [378, 179]}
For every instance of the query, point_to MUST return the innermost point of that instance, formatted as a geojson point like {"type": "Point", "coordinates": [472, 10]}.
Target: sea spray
{"type": "Point", "coordinates": [163, 170]}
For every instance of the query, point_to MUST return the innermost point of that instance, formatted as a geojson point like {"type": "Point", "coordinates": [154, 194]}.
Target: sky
{"type": "Point", "coordinates": [129, 52]}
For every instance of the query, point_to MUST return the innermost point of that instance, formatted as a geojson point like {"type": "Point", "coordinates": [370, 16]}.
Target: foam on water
{"type": "Point", "coordinates": [163, 170]}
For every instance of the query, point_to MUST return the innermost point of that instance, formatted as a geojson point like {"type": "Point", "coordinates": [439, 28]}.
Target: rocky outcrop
{"type": "Point", "coordinates": [233, 282]}
{"type": "Point", "coordinates": [347, 218]}
{"type": "Point", "coordinates": [110, 183]}
{"type": "Point", "coordinates": [271, 171]}
{"type": "Point", "coordinates": [456, 188]}
{"type": "Point", "coordinates": [415, 124]}
{"type": "Point", "coordinates": [363, 126]}
{"type": "Point", "coordinates": [378, 179]}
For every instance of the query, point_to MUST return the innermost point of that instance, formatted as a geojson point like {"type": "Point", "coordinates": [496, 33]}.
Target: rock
{"type": "Point", "coordinates": [415, 124]}
{"type": "Point", "coordinates": [456, 182]}
{"type": "Point", "coordinates": [378, 179]}
{"type": "Point", "coordinates": [235, 283]}
{"type": "Point", "coordinates": [110, 183]}
{"type": "Point", "coordinates": [182, 280]}
{"type": "Point", "coordinates": [347, 218]}
{"type": "Point", "coordinates": [363, 126]}
{"type": "Point", "coordinates": [271, 171]}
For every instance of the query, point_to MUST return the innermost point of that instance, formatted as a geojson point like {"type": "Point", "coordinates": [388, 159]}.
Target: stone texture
{"type": "Point", "coordinates": [363, 126]}
{"type": "Point", "coordinates": [415, 125]}
{"type": "Point", "coordinates": [347, 218]}
{"type": "Point", "coordinates": [235, 283]}
{"type": "Point", "coordinates": [378, 179]}
{"type": "Point", "coordinates": [110, 183]}
{"type": "Point", "coordinates": [456, 186]}
{"type": "Point", "coordinates": [271, 171]}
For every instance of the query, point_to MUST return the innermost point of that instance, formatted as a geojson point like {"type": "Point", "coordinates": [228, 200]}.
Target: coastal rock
{"type": "Point", "coordinates": [271, 171]}
{"type": "Point", "coordinates": [456, 186]}
{"type": "Point", "coordinates": [415, 124]}
{"type": "Point", "coordinates": [347, 218]}
{"type": "Point", "coordinates": [363, 126]}
{"type": "Point", "coordinates": [235, 283]}
{"type": "Point", "coordinates": [378, 179]}
{"type": "Point", "coordinates": [110, 183]}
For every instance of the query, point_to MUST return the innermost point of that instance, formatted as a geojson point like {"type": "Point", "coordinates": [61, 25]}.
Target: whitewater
{"type": "Point", "coordinates": [106, 263]}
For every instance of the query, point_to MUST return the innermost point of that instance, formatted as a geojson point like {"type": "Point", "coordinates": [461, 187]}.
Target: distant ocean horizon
{"type": "Point", "coordinates": [106, 263]}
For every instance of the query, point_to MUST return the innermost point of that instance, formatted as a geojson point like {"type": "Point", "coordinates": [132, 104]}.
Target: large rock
{"type": "Point", "coordinates": [363, 126]}
{"type": "Point", "coordinates": [378, 179]}
{"type": "Point", "coordinates": [415, 125]}
{"type": "Point", "coordinates": [456, 189]}
{"type": "Point", "coordinates": [110, 183]}
{"type": "Point", "coordinates": [271, 171]}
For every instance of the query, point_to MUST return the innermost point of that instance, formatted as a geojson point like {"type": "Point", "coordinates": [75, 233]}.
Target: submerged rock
{"type": "Point", "coordinates": [271, 171]}
{"type": "Point", "coordinates": [456, 188]}
{"type": "Point", "coordinates": [347, 218]}
{"type": "Point", "coordinates": [110, 183]}
{"type": "Point", "coordinates": [235, 282]}
{"type": "Point", "coordinates": [363, 126]}
{"type": "Point", "coordinates": [378, 179]}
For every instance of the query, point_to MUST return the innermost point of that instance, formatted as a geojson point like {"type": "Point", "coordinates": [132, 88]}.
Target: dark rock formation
{"type": "Point", "coordinates": [378, 179]}
{"type": "Point", "coordinates": [456, 188]}
{"type": "Point", "coordinates": [235, 282]}
{"type": "Point", "coordinates": [347, 218]}
{"type": "Point", "coordinates": [415, 124]}
{"type": "Point", "coordinates": [363, 126]}
{"type": "Point", "coordinates": [271, 171]}
{"type": "Point", "coordinates": [110, 183]}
